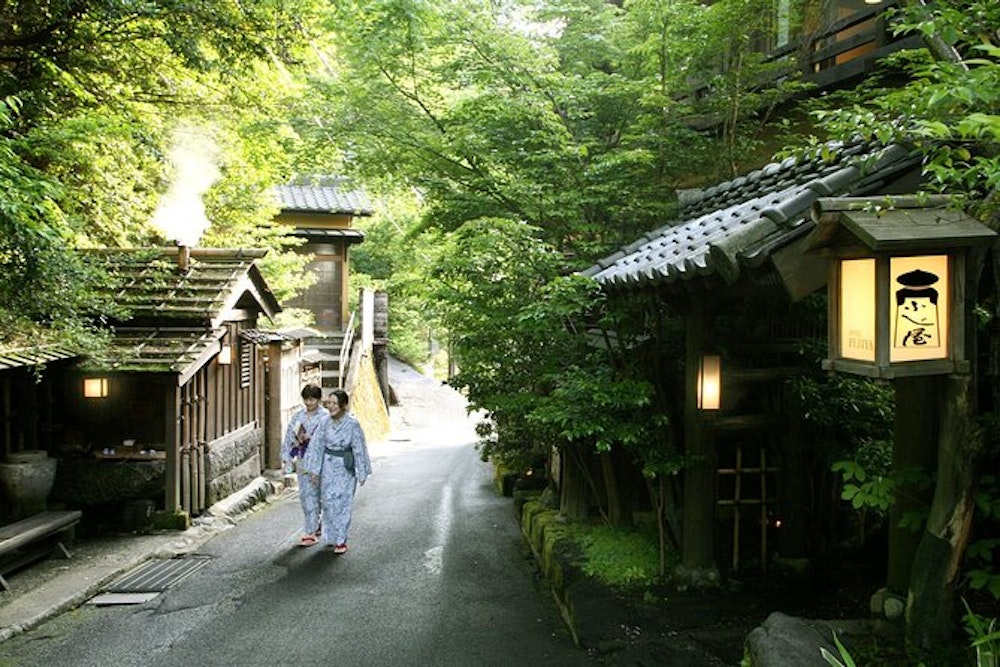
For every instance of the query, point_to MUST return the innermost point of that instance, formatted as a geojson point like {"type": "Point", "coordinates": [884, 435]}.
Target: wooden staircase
{"type": "Point", "coordinates": [328, 348]}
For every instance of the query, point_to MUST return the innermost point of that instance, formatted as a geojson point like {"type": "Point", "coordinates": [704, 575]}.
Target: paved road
{"type": "Point", "coordinates": [437, 574]}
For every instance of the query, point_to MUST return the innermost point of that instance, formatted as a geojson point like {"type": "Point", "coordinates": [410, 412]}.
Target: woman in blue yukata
{"type": "Point", "coordinates": [337, 462]}
{"type": "Point", "coordinates": [301, 429]}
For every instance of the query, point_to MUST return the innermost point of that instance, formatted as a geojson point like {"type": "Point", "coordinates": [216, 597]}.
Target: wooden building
{"type": "Point", "coordinates": [322, 211]}
{"type": "Point", "coordinates": [184, 378]}
{"type": "Point", "coordinates": [732, 268]}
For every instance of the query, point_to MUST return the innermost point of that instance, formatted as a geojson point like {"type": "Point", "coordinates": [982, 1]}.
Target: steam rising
{"type": "Point", "coordinates": [180, 215]}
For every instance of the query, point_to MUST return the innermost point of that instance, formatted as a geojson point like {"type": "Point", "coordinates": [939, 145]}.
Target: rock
{"type": "Point", "coordinates": [888, 605]}
{"type": "Point", "coordinates": [786, 641]}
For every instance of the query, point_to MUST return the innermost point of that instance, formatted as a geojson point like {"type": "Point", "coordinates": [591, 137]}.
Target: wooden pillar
{"type": "Point", "coordinates": [172, 410]}
{"type": "Point", "coordinates": [345, 287]}
{"type": "Point", "coordinates": [272, 365]}
{"type": "Point", "coordinates": [8, 415]}
{"type": "Point", "coordinates": [915, 439]}
{"type": "Point", "coordinates": [698, 512]}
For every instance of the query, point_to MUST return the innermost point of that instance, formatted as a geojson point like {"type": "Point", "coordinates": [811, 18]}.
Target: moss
{"type": "Point", "coordinates": [621, 558]}
{"type": "Point", "coordinates": [171, 520]}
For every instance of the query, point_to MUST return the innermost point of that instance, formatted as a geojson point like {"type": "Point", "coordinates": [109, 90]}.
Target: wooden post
{"type": "Point", "coordinates": [698, 512]}
{"type": "Point", "coordinates": [273, 365]}
{"type": "Point", "coordinates": [915, 439]}
{"type": "Point", "coordinates": [172, 409]}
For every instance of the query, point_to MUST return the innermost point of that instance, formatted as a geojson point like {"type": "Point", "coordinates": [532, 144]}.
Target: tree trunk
{"type": "Point", "coordinates": [619, 499]}
{"type": "Point", "coordinates": [574, 487]}
{"type": "Point", "coordinates": [937, 562]}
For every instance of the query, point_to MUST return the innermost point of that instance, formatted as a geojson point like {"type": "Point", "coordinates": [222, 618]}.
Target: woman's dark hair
{"type": "Point", "coordinates": [342, 398]}
{"type": "Point", "coordinates": [311, 391]}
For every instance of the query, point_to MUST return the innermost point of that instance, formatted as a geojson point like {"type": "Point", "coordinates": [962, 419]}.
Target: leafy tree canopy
{"type": "Point", "coordinates": [92, 93]}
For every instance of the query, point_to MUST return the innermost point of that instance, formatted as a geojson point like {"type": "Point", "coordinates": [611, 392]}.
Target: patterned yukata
{"type": "Point", "coordinates": [308, 493]}
{"type": "Point", "coordinates": [325, 458]}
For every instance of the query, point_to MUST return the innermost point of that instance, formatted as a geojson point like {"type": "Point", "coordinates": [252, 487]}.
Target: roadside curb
{"type": "Point", "coordinates": [592, 612]}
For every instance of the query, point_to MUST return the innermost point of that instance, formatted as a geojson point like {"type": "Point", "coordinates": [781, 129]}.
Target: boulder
{"type": "Point", "coordinates": [787, 641]}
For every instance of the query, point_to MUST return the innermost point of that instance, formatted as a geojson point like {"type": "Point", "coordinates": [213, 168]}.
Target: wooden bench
{"type": "Point", "coordinates": [34, 538]}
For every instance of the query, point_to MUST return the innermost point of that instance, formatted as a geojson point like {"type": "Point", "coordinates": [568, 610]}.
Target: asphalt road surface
{"type": "Point", "coordinates": [437, 574]}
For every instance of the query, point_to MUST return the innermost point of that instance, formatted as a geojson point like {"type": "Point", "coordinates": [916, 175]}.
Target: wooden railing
{"type": "Point", "coordinates": [843, 51]}
{"type": "Point", "coordinates": [345, 351]}
{"type": "Point", "coordinates": [847, 48]}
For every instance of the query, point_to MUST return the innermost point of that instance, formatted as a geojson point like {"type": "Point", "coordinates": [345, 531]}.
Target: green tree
{"type": "Point", "coordinates": [92, 93]}
{"type": "Point", "coordinates": [567, 118]}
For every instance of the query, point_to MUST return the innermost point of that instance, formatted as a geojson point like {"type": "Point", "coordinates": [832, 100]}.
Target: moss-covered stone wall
{"type": "Point", "coordinates": [367, 403]}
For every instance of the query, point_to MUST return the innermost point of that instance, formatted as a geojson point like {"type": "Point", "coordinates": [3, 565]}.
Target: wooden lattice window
{"type": "Point", "coordinates": [246, 359]}
{"type": "Point", "coordinates": [747, 486]}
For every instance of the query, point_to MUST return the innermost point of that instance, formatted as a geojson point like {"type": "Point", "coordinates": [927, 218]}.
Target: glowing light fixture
{"type": "Point", "coordinates": [896, 285]}
{"type": "Point", "coordinates": [95, 387]}
{"type": "Point", "coordinates": [226, 355]}
{"type": "Point", "coordinates": [710, 382]}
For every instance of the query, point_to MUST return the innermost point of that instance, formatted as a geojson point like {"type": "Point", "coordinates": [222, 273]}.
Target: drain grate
{"type": "Point", "coordinates": [157, 575]}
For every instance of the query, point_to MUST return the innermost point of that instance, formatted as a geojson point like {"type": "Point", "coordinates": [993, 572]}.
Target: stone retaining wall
{"type": "Point", "coordinates": [233, 462]}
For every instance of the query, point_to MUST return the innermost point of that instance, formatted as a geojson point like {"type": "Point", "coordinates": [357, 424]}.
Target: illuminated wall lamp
{"type": "Point", "coordinates": [226, 355]}
{"type": "Point", "coordinates": [95, 387]}
{"type": "Point", "coordinates": [896, 284]}
{"type": "Point", "coordinates": [710, 382]}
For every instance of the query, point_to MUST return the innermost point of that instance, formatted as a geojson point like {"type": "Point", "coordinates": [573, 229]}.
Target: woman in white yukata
{"type": "Point", "coordinates": [337, 461]}
{"type": "Point", "coordinates": [301, 429]}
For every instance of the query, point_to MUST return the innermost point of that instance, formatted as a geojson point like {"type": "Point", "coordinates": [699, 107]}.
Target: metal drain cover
{"type": "Point", "coordinates": [149, 579]}
{"type": "Point", "coordinates": [107, 599]}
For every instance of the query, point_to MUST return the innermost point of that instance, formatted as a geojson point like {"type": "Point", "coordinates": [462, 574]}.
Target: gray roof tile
{"type": "Point", "coordinates": [725, 225]}
{"type": "Point", "coordinates": [323, 195]}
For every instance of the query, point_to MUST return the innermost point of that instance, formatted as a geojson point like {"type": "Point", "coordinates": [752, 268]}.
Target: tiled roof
{"type": "Point", "coordinates": [33, 356]}
{"type": "Point", "coordinates": [349, 236]}
{"type": "Point", "coordinates": [159, 349]}
{"type": "Point", "coordinates": [740, 222]}
{"type": "Point", "coordinates": [324, 195]}
{"type": "Point", "coordinates": [153, 287]}
{"type": "Point", "coordinates": [177, 316]}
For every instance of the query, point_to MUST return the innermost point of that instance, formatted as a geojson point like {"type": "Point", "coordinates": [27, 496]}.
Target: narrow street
{"type": "Point", "coordinates": [437, 574]}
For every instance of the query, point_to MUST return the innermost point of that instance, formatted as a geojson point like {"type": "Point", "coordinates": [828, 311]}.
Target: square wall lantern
{"type": "Point", "coordinates": [226, 354]}
{"type": "Point", "coordinates": [896, 284]}
{"type": "Point", "coordinates": [95, 387]}
{"type": "Point", "coordinates": [710, 382]}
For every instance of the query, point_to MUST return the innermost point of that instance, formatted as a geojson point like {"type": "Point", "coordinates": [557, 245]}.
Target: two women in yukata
{"type": "Point", "coordinates": [336, 462]}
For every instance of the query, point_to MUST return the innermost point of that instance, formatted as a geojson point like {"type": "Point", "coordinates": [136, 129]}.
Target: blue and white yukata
{"type": "Point", "coordinates": [292, 456]}
{"type": "Point", "coordinates": [325, 458]}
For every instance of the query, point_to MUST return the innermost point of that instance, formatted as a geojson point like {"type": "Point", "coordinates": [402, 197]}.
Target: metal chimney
{"type": "Point", "coordinates": [183, 258]}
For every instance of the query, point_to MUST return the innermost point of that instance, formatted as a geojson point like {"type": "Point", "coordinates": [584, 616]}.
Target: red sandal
{"type": "Point", "coordinates": [340, 549]}
{"type": "Point", "coordinates": [307, 540]}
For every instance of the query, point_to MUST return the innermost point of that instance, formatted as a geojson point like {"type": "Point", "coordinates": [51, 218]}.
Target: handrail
{"type": "Point", "coordinates": [345, 350]}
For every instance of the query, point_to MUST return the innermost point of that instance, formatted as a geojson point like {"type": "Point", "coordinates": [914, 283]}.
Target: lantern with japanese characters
{"type": "Point", "coordinates": [896, 284]}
